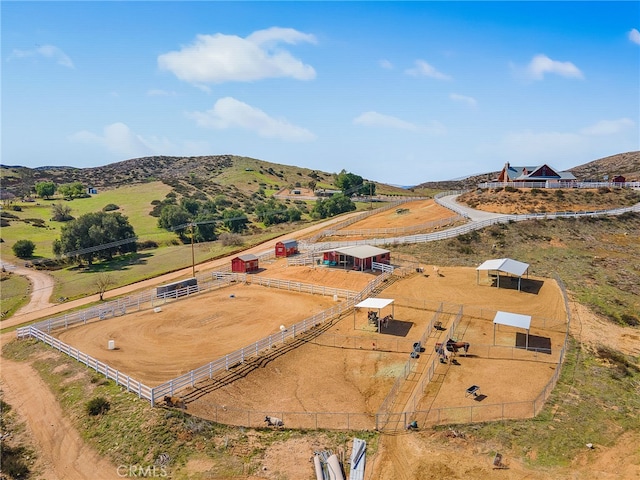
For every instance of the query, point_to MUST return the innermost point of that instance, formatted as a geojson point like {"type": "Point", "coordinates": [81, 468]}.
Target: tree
{"type": "Point", "coordinates": [348, 182]}
{"type": "Point", "coordinates": [61, 213]}
{"type": "Point", "coordinates": [93, 230]}
{"type": "Point", "coordinates": [45, 189]}
{"type": "Point", "coordinates": [71, 190]}
{"type": "Point", "coordinates": [172, 216]}
{"type": "Point", "coordinates": [23, 248]}
{"type": "Point", "coordinates": [235, 220]}
{"type": "Point", "coordinates": [332, 206]}
{"type": "Point", "coordinates": [205, 228]}
{"type": "Point", "coordinates": [103, 282]}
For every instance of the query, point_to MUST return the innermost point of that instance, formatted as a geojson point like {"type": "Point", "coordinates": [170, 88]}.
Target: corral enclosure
{"type": "Point", "coordinates": [154, 347]}
{"type": "Point", "coordinates": [339, 376]}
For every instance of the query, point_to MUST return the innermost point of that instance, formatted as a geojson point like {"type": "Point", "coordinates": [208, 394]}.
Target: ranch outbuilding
{"type": "Point", "coordinates": [286, 248]}
{"type": "Point", "coordinates": [358, 257]}
{"type": "Point", "coordinates": [245, 263]}
{"type": "Point", "coordinates": [507, 266]}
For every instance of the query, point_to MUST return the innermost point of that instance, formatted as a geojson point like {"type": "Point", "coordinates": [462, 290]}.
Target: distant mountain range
{"type": "Point", "coordinates": [241, 176]}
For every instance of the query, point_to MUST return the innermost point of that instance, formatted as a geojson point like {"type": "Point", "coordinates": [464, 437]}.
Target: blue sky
{"type": "Point", "coordinates": [397, 92]}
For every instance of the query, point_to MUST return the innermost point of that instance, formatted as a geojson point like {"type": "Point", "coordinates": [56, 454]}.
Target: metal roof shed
{"type": "Point", "coordinates": [506, 265]}
{"type": "Point", "coordinates": [378, 303]}
{"type": "Point", "coordinates": [512, 320]}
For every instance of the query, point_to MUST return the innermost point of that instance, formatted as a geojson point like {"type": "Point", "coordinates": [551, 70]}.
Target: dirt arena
{"type": "Point", "coordinates": [417, 213]}
{"type": "Point", "coordinates": [349, 368]}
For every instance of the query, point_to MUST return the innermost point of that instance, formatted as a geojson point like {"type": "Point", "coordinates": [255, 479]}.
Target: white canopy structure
{"type": "Point", "coordinates": [505, 265]}
{"type": "Point", "coordinates": [377, 303]}
{"type": "Point", "coordinates": [512, 320]}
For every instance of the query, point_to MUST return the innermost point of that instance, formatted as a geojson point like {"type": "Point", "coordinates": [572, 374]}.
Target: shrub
{"type": "Point", "coordinates": [147, 245]}
{"type": "Point", "coordinates": [630, 320]}
{"type": "Point", "coordinates": [98, 406]}
{"type": "Point", "coordinates": [12, 461]}
{"type": "Point", "coordinates": [231, 239]}
{"type": "Point", "coordinates": [23, 248]}
{"type": "Point", "coordinates": [510, 189]}
{"type": "Point", "coordinates": [110, 207]}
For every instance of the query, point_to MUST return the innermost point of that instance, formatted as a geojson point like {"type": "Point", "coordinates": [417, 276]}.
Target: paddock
{"type": "Point", "coordinates": [340, 378]}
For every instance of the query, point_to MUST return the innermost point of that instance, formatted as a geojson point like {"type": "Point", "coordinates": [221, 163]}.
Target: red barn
{"type": "Point", "coordinates": [286, 248]}
{"type": "Point", "coordinates": [244, 263]}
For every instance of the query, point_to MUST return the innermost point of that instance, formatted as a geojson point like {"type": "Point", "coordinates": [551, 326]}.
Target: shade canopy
{"type": "Point", "coordinates": [512, 320]}
{"type": "Point", "coordinates": [374, 303]}
{"type": "Point", "coordinates": [378, 303]}
{"type": "Point", "coordinates": [506, 265]}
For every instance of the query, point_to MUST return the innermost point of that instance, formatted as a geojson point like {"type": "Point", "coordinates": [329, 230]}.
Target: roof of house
{"type": "Point", "coordinates": [539, 172]}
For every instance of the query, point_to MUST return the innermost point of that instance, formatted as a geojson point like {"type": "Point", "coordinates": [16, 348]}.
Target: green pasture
{"type": "Point", "coordinates": [14, 293]}
{"type": "Point", "coordinates": [134, 202]}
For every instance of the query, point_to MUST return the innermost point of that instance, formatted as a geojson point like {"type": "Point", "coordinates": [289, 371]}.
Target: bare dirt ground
{"type": "Point", "coordinates": [419, 212]}
{"type": "Point", "coordinates": [62, 453]}
{"type": "Point", "coordinates": [416, 455]}
{"type": "Point", "coordinates": [337, 373]}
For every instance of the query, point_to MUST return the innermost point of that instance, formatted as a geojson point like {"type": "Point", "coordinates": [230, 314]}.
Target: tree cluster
{"type": "Point", "coordinates": [350, 184]}
{"type": "Point", "coordinates": [332, 206]}
{"type": "Point", "coordinates": [93, 230]}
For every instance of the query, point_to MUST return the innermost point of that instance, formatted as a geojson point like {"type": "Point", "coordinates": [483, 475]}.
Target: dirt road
{"type": "Point", "coordinates": [63, 454]}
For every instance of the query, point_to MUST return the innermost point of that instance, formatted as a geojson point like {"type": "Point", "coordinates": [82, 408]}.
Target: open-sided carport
{"type": "Point", "coordinates": [505, 265]}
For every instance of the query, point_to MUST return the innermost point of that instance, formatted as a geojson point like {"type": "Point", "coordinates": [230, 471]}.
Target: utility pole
{"type": "Point", "coordinates": [193, 256]}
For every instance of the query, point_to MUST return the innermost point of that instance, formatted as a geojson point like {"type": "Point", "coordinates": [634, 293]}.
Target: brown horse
{"type": "Point", "coordinates": [454, 346]}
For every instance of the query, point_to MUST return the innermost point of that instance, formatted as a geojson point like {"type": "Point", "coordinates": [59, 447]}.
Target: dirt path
{"type": "Point", "coordinates": [63, 454]}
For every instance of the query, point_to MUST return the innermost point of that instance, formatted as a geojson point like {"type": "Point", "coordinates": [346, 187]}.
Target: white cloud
{"type": "Point", "coordinates": [375, 119]}
{"type": "Point", "coordinates": [46, 51]}
{"type": "Point", "coordinates": [118, 138]}
{"type": "Point", "coordinates": [231, 113]}
{"type": "Point", "coordinates": [423, 69]}
{"type": "Point", "coordinates": [386, 64]}
{"type": "Point", "coordinates": [541, 65]}
{"type": "Point", "coordinates": [225, 58]}
{"type": "Point", "coordinates": [472, 102]}
{"type": "Point", "coordinates": [634, 36]}
{"type": "Point", "coordinates": [608, 127]}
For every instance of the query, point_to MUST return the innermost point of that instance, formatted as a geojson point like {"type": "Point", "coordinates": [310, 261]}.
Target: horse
{"type": "Point", "coordinates": [385, 320]}
{"type": "Point", "coordinates": [455, 346]}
